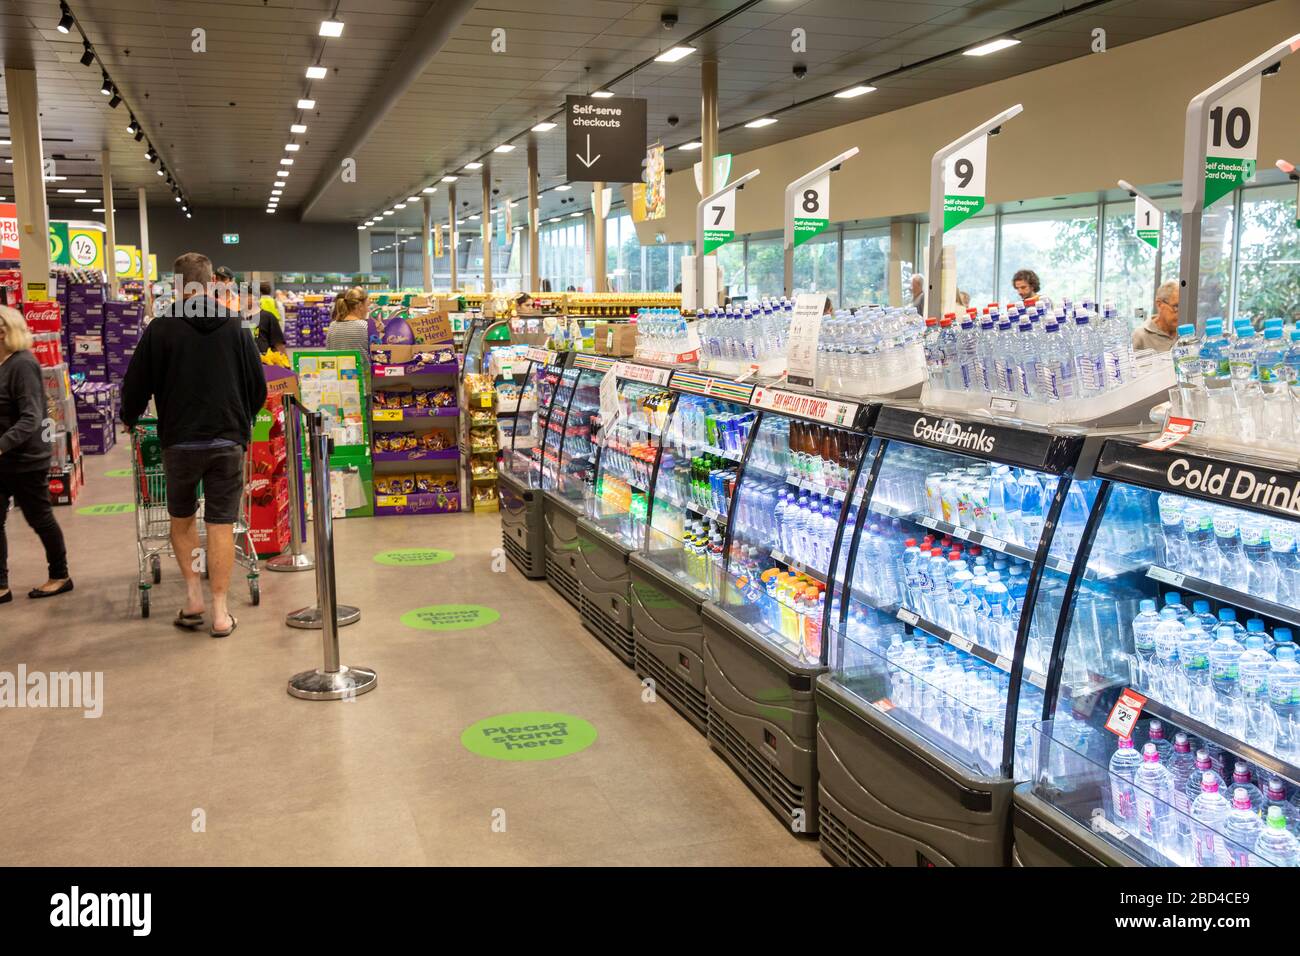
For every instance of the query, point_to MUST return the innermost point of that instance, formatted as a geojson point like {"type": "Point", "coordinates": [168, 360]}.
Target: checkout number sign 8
{"type": "Point", "coordinates": [82, 250]}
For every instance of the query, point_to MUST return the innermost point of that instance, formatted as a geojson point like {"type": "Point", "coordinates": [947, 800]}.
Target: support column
{"type": "Point", "coordinates": [453, 237]}
{"type": "Point", "coordinates": [534, 236]}
{"type": "Point", "coordinates": [144, 252]}
{"type": "Point", "coordinates": [486, 222]}
{"type": "Point", "coordinates": [363, 250]}
{"type": "Point", "coordinates": [708, 150]}
{"type": "Point", "coordinates": [29, 175]}
{"type": "Point", "coordinates": [426, 241]}
{"type": "Point", "coordinates": [598, 271]}
{"type": "Point", "coordinates": [110, 225]}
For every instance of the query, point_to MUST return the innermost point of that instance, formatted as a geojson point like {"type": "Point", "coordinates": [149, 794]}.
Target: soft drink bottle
{"type": "Point", "coordinates": [1276, 843]}
{"type": "Point", "coordinates": [1123, 798]}
{"type": "Point", "coordinates": [1241, 828]}
{"type": "Point", "coordinates": [1209, 810]}
{"type": "Point", "coordinates": [1156, 825]}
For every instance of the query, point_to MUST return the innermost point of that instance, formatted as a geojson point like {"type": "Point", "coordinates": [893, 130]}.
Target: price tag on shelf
{"type": "Point", "coordinates": [387, 415]}
{"type": "Point", "coordinates": [393, 371]}
{"type": "Point", "coordinates": [884, 705]}
{"type": "Point", "coordinates": [1176, 429]}
{"type": "Point", "coordinates": [997, 544]}
{"type": "Point", "coordinates": [1037, 679]}
{"type": "Point", "coordinates": [927, 522]}
{"type": "Point", "coordinates": [906, 616]}
{"type": "Point", "coordinates": [1003, 664]}
{"type": "Point", "coordinates": [1125, 713]}
{"type": "Point", "coordinates": [712, 515]}
{"type": "Point", "coordinates": [1173, 578]}
{"type": "Point", "coordinates": [390, 501]}
{"type": "Point", "coordinates": [960, 642]}
{"type": "Point", "coordinates": [1006, 406]}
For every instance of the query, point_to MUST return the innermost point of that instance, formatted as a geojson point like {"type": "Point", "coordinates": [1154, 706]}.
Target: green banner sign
{"type": "Point", "coordinates": [1223, 174]}
{"type": "Point", "coordinates": [59, 244]}
{"type": "Point", "coordinates": [957, 209]}
{"type": "Point", "coordinates": [714, 238]}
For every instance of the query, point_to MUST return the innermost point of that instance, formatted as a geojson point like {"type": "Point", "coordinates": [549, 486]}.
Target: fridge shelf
{"type": "Point", "coordinates": [1224, 595]}
{"type": "Point", "coordinates": [799, 566]}
{"type": "Point", "coordinates": [804, 484]}
{"type": "Point", "coordinates": [712, 514]}
{"type": "Point", "coordinates": [962, 643]}
{"type": "Point", "coordinates": [1233, 745]}
{"type": "Point", "coordinates": [989, 541]}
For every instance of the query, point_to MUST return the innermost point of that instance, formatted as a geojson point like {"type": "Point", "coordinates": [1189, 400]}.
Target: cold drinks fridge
{"type": "Point", "coordinates": [938, 650]}
{"type": "Point", "coordinates": [704, 445]}
{"type": "Point", "coordinates": [1171, 736]}
{"type": "Point", "coordinates": [762, 637]}
{"type": "Point", "coordinates": [522, 525]}
{"type": "Point", "coordinates": [617, 512]}
{"type": "Point", "coordinates": [568, 468]}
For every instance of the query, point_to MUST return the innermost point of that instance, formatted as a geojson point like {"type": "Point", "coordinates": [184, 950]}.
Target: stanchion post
{"type": "Point", "coordinates": [295, 559]}
{"type": "Point", "coordinates": [333, 681]}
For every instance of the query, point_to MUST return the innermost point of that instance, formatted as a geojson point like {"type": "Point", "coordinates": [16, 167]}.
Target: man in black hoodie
{"type": "Point", "coordinates": [203, 371]}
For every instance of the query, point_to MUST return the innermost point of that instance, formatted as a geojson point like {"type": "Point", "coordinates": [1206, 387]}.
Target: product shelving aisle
{"type": "Point", "coordinates": [936, 673]}
{"type": "Point", "coordinates": [704, 446]}
{"type": "Point", "coordinates": [411, 461]}
{"type": "Point", "coordinates": [1200, 525]}
{"type": "Point", "coordinates": [762, 637]}
{"type": "Point", "coordinates": [522, 523]}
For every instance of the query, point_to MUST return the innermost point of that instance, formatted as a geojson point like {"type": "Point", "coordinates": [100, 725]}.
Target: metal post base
{"type": "Point", "coordinates": [320, 685]}
{"type": "Point", "coordinates": [308, 618]}
{"type": "Point", "coordinates": [290, 562]}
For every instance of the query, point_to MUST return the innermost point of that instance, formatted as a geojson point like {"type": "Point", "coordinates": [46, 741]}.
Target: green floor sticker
{"type": "Point", "coordinates": [118, 473]}
{"type": "Point", "coordinates": [413, 557]}
{"type": "Point", "coordinates": [117, 508]}
{"type": "Point", "coordinates": [450, 617]}
{"type": "Point", "coordinates": [528, 735]}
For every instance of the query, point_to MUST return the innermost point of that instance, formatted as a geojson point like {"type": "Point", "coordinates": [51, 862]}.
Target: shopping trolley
{"type": "Point", "coordinates": [153, 523]}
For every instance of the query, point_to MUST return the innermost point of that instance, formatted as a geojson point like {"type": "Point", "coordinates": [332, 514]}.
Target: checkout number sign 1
{"type": "Point", "coordinates": [1231, 141]}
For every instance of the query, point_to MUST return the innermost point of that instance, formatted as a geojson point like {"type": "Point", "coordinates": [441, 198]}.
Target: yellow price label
{"type": "Point", "coordinates": [485, 400]}
{"type": "Point", "coordinates": [390, 501]}
{"type": "Point", "coordinates": [387, 415]}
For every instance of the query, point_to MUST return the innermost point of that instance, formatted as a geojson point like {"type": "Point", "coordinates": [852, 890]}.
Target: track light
{"type": "Point", "coordinates": [150, 154]}
{"type": "Point", "coordinates": [107, 88]}
{"type": "Point", "coordinates": [87, 54]}
{"type": "Point", "coordinates": [133, 127]}
{"type": "Point", "coordinates": [66, 22]}
{"type": "Point", "coordinates": [115, 100]}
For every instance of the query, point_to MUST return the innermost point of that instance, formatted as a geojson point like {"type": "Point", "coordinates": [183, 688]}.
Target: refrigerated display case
{"type": "Point", "coordinates": [762, 636]}
{"type": "Point", "coordinates": [704, 447]}
{"type": "Point", "coordinates": [618, 507]}
{"type": "Point", "coordinates": [938, 652]}
{"type": "Point", "coordinates": [1177, 629]}
{"type": "Point", "coordinates": [522, 522]}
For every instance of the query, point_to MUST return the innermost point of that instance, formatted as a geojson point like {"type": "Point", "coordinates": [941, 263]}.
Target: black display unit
{"type": "Point", "coordinates": [522, 524]}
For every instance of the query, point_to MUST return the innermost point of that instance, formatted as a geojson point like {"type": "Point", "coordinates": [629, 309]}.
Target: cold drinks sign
{"type": "Point", "coordinates": [604, 139]}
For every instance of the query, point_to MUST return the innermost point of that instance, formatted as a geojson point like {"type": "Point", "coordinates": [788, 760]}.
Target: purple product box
{"type": "Point", "coordinates": [82, 293]}
{"type": "Point", "coordinates": [96, 438]}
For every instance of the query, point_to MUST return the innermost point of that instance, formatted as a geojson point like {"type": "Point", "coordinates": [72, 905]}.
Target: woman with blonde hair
{"type": "Point", "coordinates": [350, 325]}
{"type": "Point", "coordinates": [25, 455]}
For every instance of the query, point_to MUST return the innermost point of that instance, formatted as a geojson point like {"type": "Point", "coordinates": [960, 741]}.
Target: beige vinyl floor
{"type": "Point", "coordinates": [201, 758]}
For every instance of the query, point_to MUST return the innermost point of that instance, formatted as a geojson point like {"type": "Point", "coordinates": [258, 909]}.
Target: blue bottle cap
{"type": "Point", "coordinates": [1201, 607]}
{"type": "Point", "coordinates": [1173, 597]}
{"type": "Point", "coordinates": [1227, 614]}
{"type": "Point", "coordinates": [1146, 604]}
{"type": "Point", "coordinates": [1186, 329]}
{"type": "Point", "coordinates": [1255, 624]}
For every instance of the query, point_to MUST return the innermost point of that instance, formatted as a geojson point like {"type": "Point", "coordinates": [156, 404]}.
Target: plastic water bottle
{"type": "Point", "coordinates": [1261, 572]}
{"type": "Point", "coordinates": [1209, 810]}
{"type": "Point", "coordinates": [968, 356]}
{"type": "Point", "coordinates": [1241, 828]}
{"type": "Point", "coordinates": [1276, 843]}
{"type": "Point", "coordinates": [1201, 613]}
{"type": "Point", "coordinates": [1000, 634]}
{"type": "Point", "coordinates": [1182, 768]}
{"type": "Point", "coordinates": [1055, 366]}
{"type": "Point", "coordinates": [1144, 645]}
{"type": "Point", "coordinates": [1170, 507]}
{"type": "Point", "coordinates": [1124, 763]}
{"type": "Point", "coordinates": [1241, 781]}
{"type": "Point", "coordinates": [933, 358]}
{"type": "Point", "coordinates": [1153, 785]}
{"type": "Point", "coordinates": [948, 351]}
{"type": "Point", "coordinates": [1284, 698]}
{"type": "Point", "coordinates": [1286, 562]}
{"type": "Point", "coordinates": [1228, 618]}
{"type": "Point", "coordinates": [1194, 655]}
{"type": "Point", "coordinates": [1174, 601]}
{"type": "Point", "coordinates": [1275, 796]}
{"type": "Point", "coordinates": [1198, 530]}
{"type": "Point", "coordinates": [1166, 676]}
{"type": "Point", "coordinates": [1088, 356]}
{"type": "Point", "coordinates": [1276, 420]}
{"type": "Point", "coordinates": [1232, 557]}
{"type": "Point", "coordinates": [1032, 509]}
{"type": "Point", "coordinates": [1202, 765]}
{"type": "Point", "coordinates": [1187, 357]}
{"type": "Point", "coordinates": [1261, 728]}
{"type": "Point", "coordinates": [1156, 737]}
{"type": "Point", "coordinates": [1225, 676]}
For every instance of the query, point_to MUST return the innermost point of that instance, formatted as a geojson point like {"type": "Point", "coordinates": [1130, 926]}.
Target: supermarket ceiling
{"type": "Point", "coordinates": [413, 89]}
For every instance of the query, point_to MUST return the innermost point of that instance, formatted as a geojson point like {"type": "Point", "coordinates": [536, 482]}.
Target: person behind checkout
{"type": "Point", "coordinates": [1160, 331]}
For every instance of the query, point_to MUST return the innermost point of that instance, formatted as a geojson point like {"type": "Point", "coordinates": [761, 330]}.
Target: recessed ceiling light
{"type": "Point", "coordinates": [563, 188]}
{"type": "Point", "coordinates": [297, 128]}
{"type": "Point", "coordinates": [554, 219]}
{"type": "Point", "coordinates": [188, 215]}
{"type": "Point", "coordinates": [292, 147]}
{"type": "Point", "coordinates": [178, 199]}
{"type": "Point", "coordinates": [602, 94]}
{"type": "Point", "coordinates": [5, 142]}
{"type": "Point", "coordinates": [513, 205]}
{"type": "Point", "coordinates": [282, 173]}
{"type": "Point", "coordinates": [673, 54]}
{"type": "Point", "coordinates": [400, 205]}
{"type": "Point", "coordinates": [286, 161]}
{"type": "Point", "coordinates": [361, 227]}
{"type": "Point", "coordinates": [760, 123]}
{"type": "Point", "coordinates": [88, 200]}
{"type": "Point", "coordinates": [316, 72]}
{"type": "Point", "coordinates": [429, 189]}
{"type": "Point", "coordinates": [544, 127]}
{"type": "Point", "coordinates": [505, 148]}
{"type": "Point", "coordinates": [331, 28]}
{"type": "Point", "coordinates": [450, 179]}
{"type": "Point", "coordinates": [854, 91]}
{"type": "Point", "coordinates": [100, 209]}
{"type": "Point", "coordinates": [474, 218]}
{"type": "Point", "coordinates": [306, 104]}
{"type": "Point", "coordinates": [70, 191]}
{"type": "Point", "coordinates": [413, 199]}
{"type": "Point", "coordinates": [388, 212]}
{"type": "Point", "coordinates": [576, 215]}
{"type": "Point", "coordinates": [993, 46]}
{"type": "Point", "coordinates": [272, 211]}
{"type": "Point", "coordinates": [473, 165]}
{"type": "Point", "coordinates": [277, 191]}
{"type": "Point", "coordinates": [692, 145]}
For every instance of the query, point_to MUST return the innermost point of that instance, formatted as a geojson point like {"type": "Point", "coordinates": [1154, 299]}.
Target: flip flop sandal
{"type": "Point", "coordinates": [234, 623]}
{"type": "Point", "coordinates": [188, 622]}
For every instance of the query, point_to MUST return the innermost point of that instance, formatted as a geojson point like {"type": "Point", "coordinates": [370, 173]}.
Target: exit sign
{"type": "Point", "coordinates": [230, 238]}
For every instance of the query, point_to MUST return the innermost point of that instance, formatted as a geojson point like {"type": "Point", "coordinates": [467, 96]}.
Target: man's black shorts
{"type": "Point", "coordinates": [221, 470]}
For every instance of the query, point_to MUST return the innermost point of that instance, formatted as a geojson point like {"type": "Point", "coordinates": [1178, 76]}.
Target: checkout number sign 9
{"type": "Point", "coordinates": [963, 182]}
{"type": "Point", "coordinates": [1231, 140]}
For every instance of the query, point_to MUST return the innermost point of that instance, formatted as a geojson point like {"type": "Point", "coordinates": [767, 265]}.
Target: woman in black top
{"type": "Point", "coordinates": [25, 455]}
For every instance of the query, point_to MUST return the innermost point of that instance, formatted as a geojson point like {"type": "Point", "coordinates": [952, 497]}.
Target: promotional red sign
{"type": "Point", "coordinates": [8, 230]}
{"type": "Point", "coordinates": [42, 316]}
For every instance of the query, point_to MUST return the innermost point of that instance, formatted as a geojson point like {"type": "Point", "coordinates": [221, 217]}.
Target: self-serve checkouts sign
{"type": "Point", "coordinates": [605, 139]}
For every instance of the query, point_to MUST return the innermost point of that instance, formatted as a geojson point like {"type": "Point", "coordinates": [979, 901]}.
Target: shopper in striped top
{"type": "Point", "coordinates": [350, 325]}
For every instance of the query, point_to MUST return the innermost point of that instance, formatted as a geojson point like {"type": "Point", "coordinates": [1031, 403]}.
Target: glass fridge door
{"type": "Point", "coordinates": [545, 383]}
{"type": "Point", "coordinates": [556, 421]}
{"type": "Point", "coordinates": [942, 623]}
{"type": "Point", "coordinates": [789, 509]}
{"type": "Point", "coordinates": [581, 429]}
{"type": "Point", "coordinates": [703, 446]}
{"type": "Point", "coordinates": [629, 456]}
{"type": "Point", "coordinates": [1184, 613]}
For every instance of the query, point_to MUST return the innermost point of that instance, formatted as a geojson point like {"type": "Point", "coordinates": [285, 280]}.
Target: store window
{"type": "Point", "coordinates": [731, 259]}
{"type": "Point", "coordinates": [817, 266]}
{"type": "Point", "coordinates": [973, 248]}
{"type": "Point", "coordinates": [563, 255]}
{"type": "Point", "coordinates": [1059, 244]}
{"type": "Point", "coordinates": [865, 277]}
{"type": "Point", "coordinates": [1268, 252]}
{"type": "Point", "coordinates": [623, 255]}
{"type": "Point", "coordinates": [1128, 264]}
{"type": "Point", "coordinates": [765, 268]}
